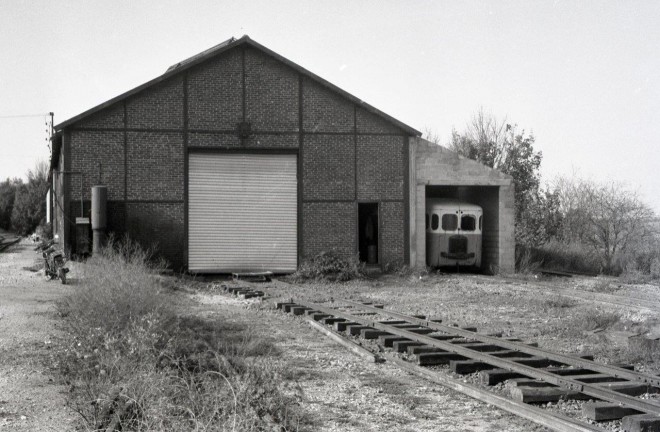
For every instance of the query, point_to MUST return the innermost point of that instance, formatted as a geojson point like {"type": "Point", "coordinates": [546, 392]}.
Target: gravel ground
{"type": "Point", "coordinates": [30, 400]}
{"type": "Point", "coordinates": [337, 391]}
{"type": "Point", "coordinates": [343, 392]}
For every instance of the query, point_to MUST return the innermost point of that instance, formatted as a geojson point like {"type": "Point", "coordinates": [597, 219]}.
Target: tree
{"type": "Point", "coordinates": [609, 218]}
{"type": "Point", "coordinates": [498, 144]}
{"type": "Point", "coordinates": [29, 207]}
{"type": "Point", "coordinates": [7, 196]}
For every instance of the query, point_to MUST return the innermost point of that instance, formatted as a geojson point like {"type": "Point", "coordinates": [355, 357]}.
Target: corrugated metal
{"type": "Point", "coordinates": [242, 213]}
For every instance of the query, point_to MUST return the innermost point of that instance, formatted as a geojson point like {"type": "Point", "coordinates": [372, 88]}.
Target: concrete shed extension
{"type": "Point", "coordinates": [438, 172]}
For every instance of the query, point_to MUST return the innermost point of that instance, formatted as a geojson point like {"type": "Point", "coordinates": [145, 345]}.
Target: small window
{"type": "Point", "coordinates": [427, 221]}
{"type": "Point", "coordinates": [480, 219]}
{"type": "Point", "coordinates": [434, 222]}
{"type": "Point", "coordinates": [468, 223]}
{"type": "Point", "coordinates": [449, 222]}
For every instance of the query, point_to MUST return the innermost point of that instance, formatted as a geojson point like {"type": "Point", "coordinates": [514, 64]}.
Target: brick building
{"type": "Point", "coordinates": [239, 159]}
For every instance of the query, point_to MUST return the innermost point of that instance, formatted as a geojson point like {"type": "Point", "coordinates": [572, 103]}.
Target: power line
{"type": "Point", "coordinates": [24, 115]}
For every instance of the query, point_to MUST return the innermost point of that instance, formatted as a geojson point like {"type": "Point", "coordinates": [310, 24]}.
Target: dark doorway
{"type": "Point", "coordinates": [368, 232]}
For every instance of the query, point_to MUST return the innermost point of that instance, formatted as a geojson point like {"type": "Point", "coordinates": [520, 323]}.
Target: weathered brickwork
{"type": "Point", "coordinates": [159, 107]}
{"type": "Point", "coordinates": [196, 139]}
{"type": "Point", "coordinates": [348, 154]}
{"type": "Point", "coordinates": [155, 166]}
{"type": "Point", "coordinates": [158, 225]}
{"type": "Point", "coordinates": [215, 93]}
{"type": "Point", "coordinates": [380, 167]}
{"type": "Point", "coordinates": [368, 122]}
{"type": "Point", "coordinates": [326, 111]}
{"type": "Point", "coordinates": [328, 167]}
{"type": "Point", "coordinates": [329, 227]}
{"type": "Point", "coordinates": [272, 141]}
{"type": "Point", "coordinates": [111, 117]}
{"type": "Point", "coordinates": [271, 92]}
{"type": "Point", "coordinates": [392, 233]}
{"type": "Point", "coordinates": [228, 140]}
{"type": "Point", "coordinates": [88, 150]}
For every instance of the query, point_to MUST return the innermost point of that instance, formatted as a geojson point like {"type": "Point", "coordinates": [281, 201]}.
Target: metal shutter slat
{"type": "Point", "coordinates": [242, 213]}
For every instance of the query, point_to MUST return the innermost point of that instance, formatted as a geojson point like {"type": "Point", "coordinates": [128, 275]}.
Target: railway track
{"type": "Point", "coordinates": [533, 376]}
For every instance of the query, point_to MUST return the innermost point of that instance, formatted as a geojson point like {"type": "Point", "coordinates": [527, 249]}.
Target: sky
{"type": "Point", "coordinates": [583, 77]}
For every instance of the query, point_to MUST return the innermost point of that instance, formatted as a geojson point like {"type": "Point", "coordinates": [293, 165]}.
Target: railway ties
{"type": "Point", "coordinates": [532, 375]}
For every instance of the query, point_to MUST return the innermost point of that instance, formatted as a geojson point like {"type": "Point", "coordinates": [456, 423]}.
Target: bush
{"type": "Point", "coordinates": [329, 266]}
{"type": "Point", "coordinates": [525, 263]}
{"type": "Point", "coordinates": [177, 373]}
{"type": "Point", "coordinates": [118, 287]}
{"type": "Point", "coordinates": [560, 256]}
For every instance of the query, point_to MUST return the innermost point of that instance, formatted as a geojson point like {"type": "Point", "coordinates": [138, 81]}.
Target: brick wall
{"type": "Point", "coordinates": [329, 167]}
{"type": "Point", "coordinates": [155, 166]}
{"type": "Point", "coordinates": [392, 233]}
{"type": "Point", "coordinates": [111, 117]}
{"type": "Point", "coordinates": [326, 111]}
{"type": "Point", "coordinates": [329, 226]}
{"type": "Point", "coordinates": [338, 136]}
{"type": "Point", "coordinates": [215, 93]}
{"type": "Point", "coordinates": [380, 167]}
{"type": "Point", "coordinates": [271, 93]}
{"type": "Point", "coordinates": [368, 122]}
{"type": "Point", "coordinates": [159, 107]}
{"type": "Point", "coordinates": [159, 226]}
{"type": "Point", "coordinates": [88, 149]}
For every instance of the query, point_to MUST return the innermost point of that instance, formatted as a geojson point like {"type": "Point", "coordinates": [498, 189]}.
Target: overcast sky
{"type": "Point", "coordinates": [583, 76]}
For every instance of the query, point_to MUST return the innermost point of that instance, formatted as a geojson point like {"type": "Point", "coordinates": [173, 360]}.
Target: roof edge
{"type": "Point", "coordinates": [216, 50]}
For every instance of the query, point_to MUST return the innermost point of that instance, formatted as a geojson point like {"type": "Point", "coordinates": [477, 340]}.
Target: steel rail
{"type": "Point", "coordinates": [562, 358]}
{"type": "Point", "coordinates": [554, 421]}
{"type": "Point", "coordinates": [602, 393]}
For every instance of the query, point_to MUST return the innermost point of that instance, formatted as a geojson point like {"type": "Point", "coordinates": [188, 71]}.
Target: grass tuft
{"type": "Point", "coordinates": [329, 266]}
{"type": "Point", "coordinates": [174, 372]}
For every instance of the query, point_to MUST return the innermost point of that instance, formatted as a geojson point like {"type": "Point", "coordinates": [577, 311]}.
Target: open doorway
{"type": "Point", "coordinates": [368, 232]}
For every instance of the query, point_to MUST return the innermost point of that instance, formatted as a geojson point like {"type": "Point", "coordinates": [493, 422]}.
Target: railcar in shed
{"type": "Point", "coordinates": [453, 233]}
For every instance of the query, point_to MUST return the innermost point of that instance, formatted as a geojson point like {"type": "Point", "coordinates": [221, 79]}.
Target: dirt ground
{"type": "Point", "coordinates": [30, 399]}
{"type": "Point", "coordinates": [337, 391]}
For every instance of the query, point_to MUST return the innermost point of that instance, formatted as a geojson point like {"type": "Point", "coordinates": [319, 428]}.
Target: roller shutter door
{"type": "Point", "coordinates": [242, 213]}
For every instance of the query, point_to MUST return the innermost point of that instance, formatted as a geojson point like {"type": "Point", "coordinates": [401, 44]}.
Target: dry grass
{"type": "Point", "coordinates": [328, 266]}
{"type": "Point", "coordinates": [178, 373]}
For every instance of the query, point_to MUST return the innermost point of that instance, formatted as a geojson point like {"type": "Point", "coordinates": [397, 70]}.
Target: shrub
{"type": "Point", "coordinates": [525, 263]}
{"type": "Point", "coordinates": [329, 266]}
{"type": "Point", "coordinates": [178, 373]}
{"type": "Point", "coordinates": [570, 257]}
{"type": "Point", "coordinates": [118, 287]}
{"type": "Point", "coordinates": [560, 302]}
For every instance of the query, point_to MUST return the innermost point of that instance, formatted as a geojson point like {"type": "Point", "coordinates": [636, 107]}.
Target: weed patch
{"type": "Point", "coordinates": [125, 342]}
{"type": "Point", "coordinates": [560, 302]}
{"type": "Point", "coordinates": [329, 266]}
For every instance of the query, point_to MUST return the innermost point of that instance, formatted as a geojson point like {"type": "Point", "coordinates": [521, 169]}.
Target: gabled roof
{"type": "Point", "coordinates": [219, 49]}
